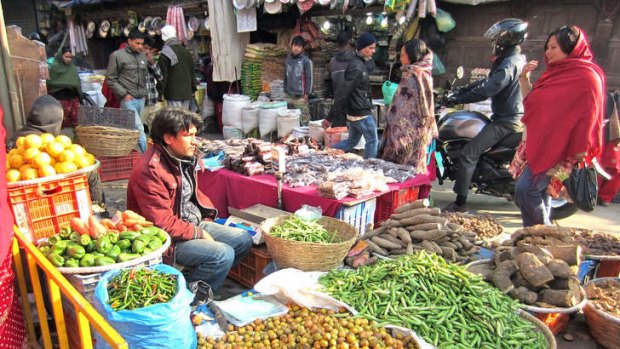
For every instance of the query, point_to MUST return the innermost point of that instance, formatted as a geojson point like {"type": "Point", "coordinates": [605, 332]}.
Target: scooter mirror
{"type": "Point", "coordinates": [460, 72]}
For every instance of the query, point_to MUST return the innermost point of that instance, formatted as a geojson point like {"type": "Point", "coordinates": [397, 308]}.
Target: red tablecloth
{"type": "Point", "coordinates": [230, 189]}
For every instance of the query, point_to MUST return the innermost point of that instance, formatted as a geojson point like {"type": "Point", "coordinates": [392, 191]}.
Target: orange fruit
{"type": "Point", "coordinates": [67, 156]}
{"type": "Point", "coordinates": [13, 176]}
{"type": "Point", "coordinates": [19, 142]}
{"type": "Point", "coordinates": [41, 160]}
{"type": "Point", "coordinates": [33, 141]}
{"type": "Point", "coordinates": [46, 170]}
{"type": "Point", "coordinates": [91, 159]}
{"type": "Point", "coordinates": [52, 161]}
{"type": "Point", "coordinates": [29, 173]}
{"type": "Point", "coordinates": [77, 149]}
{"type": "Point", "coordinates": [64, 140]}
{"type": "Point", "coordinates": [16, 161]}
{"type": "Point", "coordinates": [54, 149]}
{"type": "Point", "coordinates": [46, 138]}
{"type": "Point", "coordinates": [30, 153]}
{"type": "Point", "coordinates": [13, 151]}
{"type": "Point", "coordinates": [82, 162]}
{"type": "Point", "coordinates": [65, 167]}
{"type": "Point", "coordinates": [24, 167]}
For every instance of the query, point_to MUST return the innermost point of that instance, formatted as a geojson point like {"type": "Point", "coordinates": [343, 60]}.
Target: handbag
{"type": "Point", "coordinates": [582, 186]}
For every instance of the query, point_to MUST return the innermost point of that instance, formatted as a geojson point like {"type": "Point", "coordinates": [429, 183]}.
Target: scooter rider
{"type": "Point", "coordinates": [502, 86]}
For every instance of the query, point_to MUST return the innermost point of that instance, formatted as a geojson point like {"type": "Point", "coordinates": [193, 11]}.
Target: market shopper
{"type": "Point", "coordinates": [12, 326]}
{"type": "Point", "coordinates": [163, 188]}
{"type": "Point", "coordinates": [410, 120]}
{"type": "Point", "coordinates": [64, 84]}
{"type": "Point", "coordinates": [298, 76]}
{"type": "Point", "coordinates": [353, 100]}
{"type": "Point", "coordinates": [558, 135]}
{"type": "Point", "coordinates": [126, 76]}
{"type": "Point", "coordinates": [610, 156]}
{"type": "Point", "coordinates": [338, 65]}
{"type": "Point", "coordinates": [502, 86]}
{"type": "Point", "coordinates": [152, 101]}
{"type": "Point", "coordinates": [178, 83]}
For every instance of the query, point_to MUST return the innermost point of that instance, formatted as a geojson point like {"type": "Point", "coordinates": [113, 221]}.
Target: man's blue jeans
{"type": "Point", "coordinates": [532, 198]}
{"type": "Point", "coordinates": [211, 261]}
{"type": "Point", "coordinates": [368, 129]}
{"type": "Point", "coordinates": [137, 105]}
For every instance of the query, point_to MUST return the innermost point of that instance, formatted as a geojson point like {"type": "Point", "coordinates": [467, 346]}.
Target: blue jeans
{"type": "Point", "coordinates": [532, 198]}
{"type": "Point", "coordinates": [368, 129]}
{"type": "Point", "coordinates": [211, 261]}
{"type": "Point", "coordinates": [137, 105]}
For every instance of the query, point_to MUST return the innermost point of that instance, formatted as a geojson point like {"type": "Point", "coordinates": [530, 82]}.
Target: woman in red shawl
{"type": "Point", "coordinates": [563, 119]}
{"type": "Point", "coordinates": [410, 119]}
{"type": "Point", "coordinates": [12, 328]}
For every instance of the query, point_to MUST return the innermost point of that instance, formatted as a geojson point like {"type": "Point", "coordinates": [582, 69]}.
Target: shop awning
{"type": "Point", "coordinates": [472, 2]}
{"type": "Point", "coordinates": [72, 3]}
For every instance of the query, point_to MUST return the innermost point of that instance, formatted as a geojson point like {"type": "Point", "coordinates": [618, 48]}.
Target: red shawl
{"type": "Point", "coordinates": [564, 111]}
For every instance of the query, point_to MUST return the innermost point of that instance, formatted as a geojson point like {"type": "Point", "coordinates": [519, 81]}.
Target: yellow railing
{"type": "Point", "coordinates": [58, 286]}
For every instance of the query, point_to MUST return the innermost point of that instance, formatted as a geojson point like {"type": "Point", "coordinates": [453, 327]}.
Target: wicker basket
{"type": "Point", "coordinates": [604, 327]}
{"type": "Point", "coordinates": [107, 141]}
{"type": "Point", "coordinates": [308, 256]}
{"type": "Point", "coordinates": [551, 343]}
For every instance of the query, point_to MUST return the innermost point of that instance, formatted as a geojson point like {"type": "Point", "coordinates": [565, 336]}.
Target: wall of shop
{"type": "Point", "coordinates": [466, 45]}
{"type": "Point", "coordinates": [20, 13]}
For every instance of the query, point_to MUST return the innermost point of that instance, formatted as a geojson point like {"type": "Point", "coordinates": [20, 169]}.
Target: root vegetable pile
{"type": "Point", "coordinates": [297, 229]}
{"type": "Point", "coordinates": [414, 227]}
{"type": "Point", "coordinates": [605, 295]}
{"type": "Point", "coordinates": [484, 226]}
{"type": "Point", "coordinates": [444, 303]}
{"type": "Point", "coordinates": [139, 287]}
{"type": "Point", "coordinates": [303, 328]}
{"type": "Point", "coordinates": [598, 244]}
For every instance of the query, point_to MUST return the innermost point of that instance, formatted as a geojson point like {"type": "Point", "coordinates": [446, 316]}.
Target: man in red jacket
{"type": "Point", "coordinates": [163, 188]}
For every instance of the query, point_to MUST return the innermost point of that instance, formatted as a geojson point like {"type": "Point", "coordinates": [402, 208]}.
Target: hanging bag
{"type": "Point", "coordinates": [582, 186]}
{"type": "Point", "coordinates": [389, 89]}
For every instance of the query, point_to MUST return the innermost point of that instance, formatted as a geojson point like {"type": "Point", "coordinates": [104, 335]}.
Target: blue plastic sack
{"type": "Point", "coordinates": [438, 67]}
{"type": "Point", "coordinates": [389, 90]}
{"type": "Point", "coordinates": [164, 325]}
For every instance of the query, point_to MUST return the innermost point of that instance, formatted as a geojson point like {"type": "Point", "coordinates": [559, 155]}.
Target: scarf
{"type": "Point", "coordinates": [168, 52]}
{"type": "Point", "coordinates": [410, 117]}
{"type": "Point", "coordinates": [564, 110]}
{"type": "Point", "coordinates": [45, 117]}
{"type": "Point", "coordinates": [64, 76]}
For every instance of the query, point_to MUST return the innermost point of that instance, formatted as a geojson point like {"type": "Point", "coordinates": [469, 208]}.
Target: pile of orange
{"type": "Point", "coordinates": [44, 155]}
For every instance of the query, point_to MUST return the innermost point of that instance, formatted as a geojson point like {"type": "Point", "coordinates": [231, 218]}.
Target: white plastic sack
{"type": "Point", "coordinates": [249, 116]}
{"type": "Point", "coordinates": [300, 132]}
{"type": "Point", "coordinates": [316, 130]}
{"type": "Point", "coordinates": [231, 110]}
{"type": "Point", "coordinates": [230, 132]}
{"type": "Point", "coordinates": [267, 120]}
{"type": "Point", "coordinates": [208, 107]}
{"type": "Point", "coordinates": [287, 120]}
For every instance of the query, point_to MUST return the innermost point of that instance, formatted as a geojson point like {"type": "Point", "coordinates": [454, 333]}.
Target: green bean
{"type": "Point", "coordinates": [444, 303]}
{"type": "Point", "coordinates": [297, 229]}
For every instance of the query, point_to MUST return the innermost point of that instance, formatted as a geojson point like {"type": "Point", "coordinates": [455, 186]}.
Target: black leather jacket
{"type": "Point", "coordinates": [353, 97]}
{"type": "Point", "coordinates": [502, 86]}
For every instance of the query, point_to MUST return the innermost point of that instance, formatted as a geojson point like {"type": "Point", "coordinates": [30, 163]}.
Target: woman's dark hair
{"type": "Point", "coordinates": [416, 49]}
{"type": "Point", "coordinates": [566, 36]}
{"type": "Point", "coordinates": [171, 121]}
{"type": "Point", "coordinates": [298, 41]}
{"type": "Point", "coordinates": [65, 50]}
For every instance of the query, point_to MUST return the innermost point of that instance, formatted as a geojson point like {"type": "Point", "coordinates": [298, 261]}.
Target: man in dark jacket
{"type": "Point", "coordinates": [502, 86]}
{"type": "Point", "coordinates": [164, 189]}
{"type": "Point", "coordinates": [178, 82]}
{"type": "Point", "coordinates": [337, 66]}
{"type": "Point", "coordinates": [126, 76]}
{"type": "Point", "coordinates": [353, 100]}
{"type": "Point", "coordinates": [298, 78]}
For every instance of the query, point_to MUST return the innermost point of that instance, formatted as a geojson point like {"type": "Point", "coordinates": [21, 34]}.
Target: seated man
{"type": "Point", "coordinates": [163, 188]}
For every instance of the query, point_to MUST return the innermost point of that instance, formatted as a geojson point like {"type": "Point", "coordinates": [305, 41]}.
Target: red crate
{"type": "Point", "coordinates": [42, 207]}
{"type": "Point", "coordinates": [388, 202]}
{"type": "Point", "coordinates": [115, 168]}
{"type": "Point", "coordinates": [250, 270]}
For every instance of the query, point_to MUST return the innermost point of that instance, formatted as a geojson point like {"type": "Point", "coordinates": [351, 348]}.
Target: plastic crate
{"type": "Point", "coordinates": [41, 208]}
{"type": "Point", "coordinates": [388, 202]}
{"type": "Point", "coordinates": [360, 216]}
{"type": "Point", "coordinates": [115, 168]}
{"type": "Point", "coordinates": [250, 270]}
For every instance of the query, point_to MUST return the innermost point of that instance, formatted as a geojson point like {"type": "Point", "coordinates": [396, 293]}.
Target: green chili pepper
{"type": "Point", "coordinates": [114, 252]}
{"type": "Point", "coordinates": [137, 246]}
{"type": "Point", "coordinates": [72, 263]}
{"type": "Point", "coordinates": [76, 251]}
{"type": "Point", "coordinates": [87, 261]}
{"type": "Point", "coordinates": [56, 259]}
{"type": "Point", "coordinates": [103, 244]}
{"type": "Point", "coordinates": [124, 244]}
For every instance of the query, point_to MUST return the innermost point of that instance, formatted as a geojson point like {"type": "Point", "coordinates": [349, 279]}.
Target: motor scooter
{"type": "Point", "coordinates": [491, 176]}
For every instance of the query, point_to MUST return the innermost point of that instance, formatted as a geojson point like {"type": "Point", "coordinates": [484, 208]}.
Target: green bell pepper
{"type": "Point", "coordinates": [162, 235]}
{"type": "Point", "coordinates": [56, 259]}
{"type": "Point", "coordinates": [65, 232]}
{"type": "Point", "coordinates": [124, 244]}
{"type": "Point", "coordinates": [72, 263]}
{"type": "Point", "coordinates": [76, 252]}
{"type": "Point", "coordinates": [101, 261]}
{"type": "Point", "coordinates": [137, 246]}
{"type": "Point", "coordinates": [151, 231]}
{"type": "Point", "coordinates": [114, 252]}
{"type": "Point", "coordinates": [113, 237]}
{"type": "Point", "coordinates": [91, 246]}
{"type": "Point", "coordinates": [155, 244]}
{"type": "Point", "coordinates": [87, 261]}
{"type": "Point", "coordinates": [97, 254]}
{"type": "Point", "coordinates": [103, 245]}
{"type": "Point", "coordinates": [75, 237]}
{"type": "Point", "coordinates": [129, 235]}
{"type": "Point", "coordinates": [59, 247]}
{"type": "Point", "coordinates": [124, 257]}
{"type": "Point", "coordinates": [85, 240]}
{"type": "Point", "coordinates": [54, 239]}
{"type": "Point", "coordinates": [145, 238]}
{"type": "Point", "coordinates": [146, 251]}
{"type": "Point", "coordinates": [45, 250]}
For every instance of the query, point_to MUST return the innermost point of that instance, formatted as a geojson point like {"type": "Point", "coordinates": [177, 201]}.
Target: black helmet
{"type": "Point", "coordinates": [507, 33]}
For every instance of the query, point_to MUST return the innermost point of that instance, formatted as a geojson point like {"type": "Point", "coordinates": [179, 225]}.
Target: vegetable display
{"type": "Point", "coordinates": [605, 296]}
{"type": "Point", "coordinates": [140, 287]}
{"type": "Point", "coordinates": [444, 303]}
{"type": "Point", "coordinates": [298, 229]}
{"type": "Point", "coordinates": [484, 226]}
{"type": "Point", "coordinates": [303, 328]}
